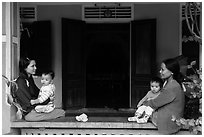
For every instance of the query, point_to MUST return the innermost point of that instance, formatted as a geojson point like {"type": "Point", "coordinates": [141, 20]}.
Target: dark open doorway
{"type": "Point", "coordinates": [96, 63]}
{"type": "Point", "coordinates": [107, 66]}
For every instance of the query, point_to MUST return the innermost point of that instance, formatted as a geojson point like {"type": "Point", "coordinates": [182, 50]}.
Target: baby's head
{"type": "Point", "coordinates": [156, 84]}
{"type": "Point", "coordinates": [47, 77]}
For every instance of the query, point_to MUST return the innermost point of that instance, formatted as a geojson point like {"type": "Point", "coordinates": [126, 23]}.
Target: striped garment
{"type": "Point", "coordinates": [45, 93]}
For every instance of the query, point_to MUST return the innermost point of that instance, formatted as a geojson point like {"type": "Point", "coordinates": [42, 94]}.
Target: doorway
{"type": "Point", "coordinates": [96, 63]}
{"type": "Point", "coordinates": [107, 65]}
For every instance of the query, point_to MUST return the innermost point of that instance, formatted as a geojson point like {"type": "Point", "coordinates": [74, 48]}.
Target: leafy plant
{"type": "Point", "coordinates": [192, 119]}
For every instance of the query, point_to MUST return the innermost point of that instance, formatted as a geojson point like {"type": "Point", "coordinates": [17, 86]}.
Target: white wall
{"type": "Point", "coordinates": [168, 31]}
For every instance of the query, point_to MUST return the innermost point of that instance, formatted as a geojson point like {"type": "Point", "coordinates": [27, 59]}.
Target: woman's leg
{"type": "Point", "coordinates": [34, 116]}
{"type": "Point", "coordinates": [154, 118]}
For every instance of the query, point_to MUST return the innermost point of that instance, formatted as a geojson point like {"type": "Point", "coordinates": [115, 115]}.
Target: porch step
{"type": "Point", "coordinates": [94, 126]}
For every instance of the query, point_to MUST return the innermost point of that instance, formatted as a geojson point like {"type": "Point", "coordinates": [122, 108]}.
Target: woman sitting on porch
{"type": "Point", "coordinates": [171, 99]}
{"type": "Point", "coordinates": [27, 90]}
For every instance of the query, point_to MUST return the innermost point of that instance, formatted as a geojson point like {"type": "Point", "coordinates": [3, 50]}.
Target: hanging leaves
{"type": "Point", "coordinates": [194, 92]}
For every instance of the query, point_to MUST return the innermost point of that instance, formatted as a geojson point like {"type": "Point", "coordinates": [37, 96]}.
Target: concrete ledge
{"type": "Point", "coordinates": [94, 126]}
{"type": "Point", "coordinates": [93, 122]}
{"type": "Point", "coordinates": [123, 125]}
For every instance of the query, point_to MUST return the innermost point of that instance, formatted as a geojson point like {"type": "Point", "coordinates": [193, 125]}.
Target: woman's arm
{"type": "Point", "coordinates": [34, 89]}
{"type": "Point", "coordinates": [166, 96]}
{"type": "Point", "coordinates": [23, 94]}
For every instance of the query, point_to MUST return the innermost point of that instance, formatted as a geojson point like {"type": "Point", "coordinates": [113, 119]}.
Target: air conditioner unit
{"type": "Point", "coordinates": [28, 13]}
{"type": "Point", "coordinates": [107, 12]}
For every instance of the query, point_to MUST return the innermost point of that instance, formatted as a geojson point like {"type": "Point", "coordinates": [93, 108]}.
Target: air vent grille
{"type": "Point", "coordinates": [28, 14]}
{"type": "Point", "coordinates": [107, 12]}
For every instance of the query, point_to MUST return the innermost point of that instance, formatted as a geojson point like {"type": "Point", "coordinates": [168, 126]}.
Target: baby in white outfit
{"type": "Point", "coordinates": [143, 113]}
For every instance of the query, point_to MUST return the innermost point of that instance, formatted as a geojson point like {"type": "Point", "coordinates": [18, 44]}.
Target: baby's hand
{"type": "Point", "coordinates": [138, 105]}
{"type": "Point", "coordinates": [32, 102]}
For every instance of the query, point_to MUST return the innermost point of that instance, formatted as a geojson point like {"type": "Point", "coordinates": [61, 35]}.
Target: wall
{"type": "Point", "coordinates": [168, 31]}
{"type": "Point", "coordinates": [167, 16]}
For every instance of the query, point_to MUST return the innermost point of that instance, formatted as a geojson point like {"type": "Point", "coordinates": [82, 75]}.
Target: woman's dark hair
{"type": "Point", "coordinates": [49, 72]}
{"type": "Point", "coordinates": [23, 64]}
{"type": "Point", "coordinates": [157, 80]}
{"type": "Point", "coordinates": [173, 65]}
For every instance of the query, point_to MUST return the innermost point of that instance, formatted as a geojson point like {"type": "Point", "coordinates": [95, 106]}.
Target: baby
{"type": "Point", "coordinates": [47, 91]}
{"type": "Point", "coordinates": [143, 113]}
